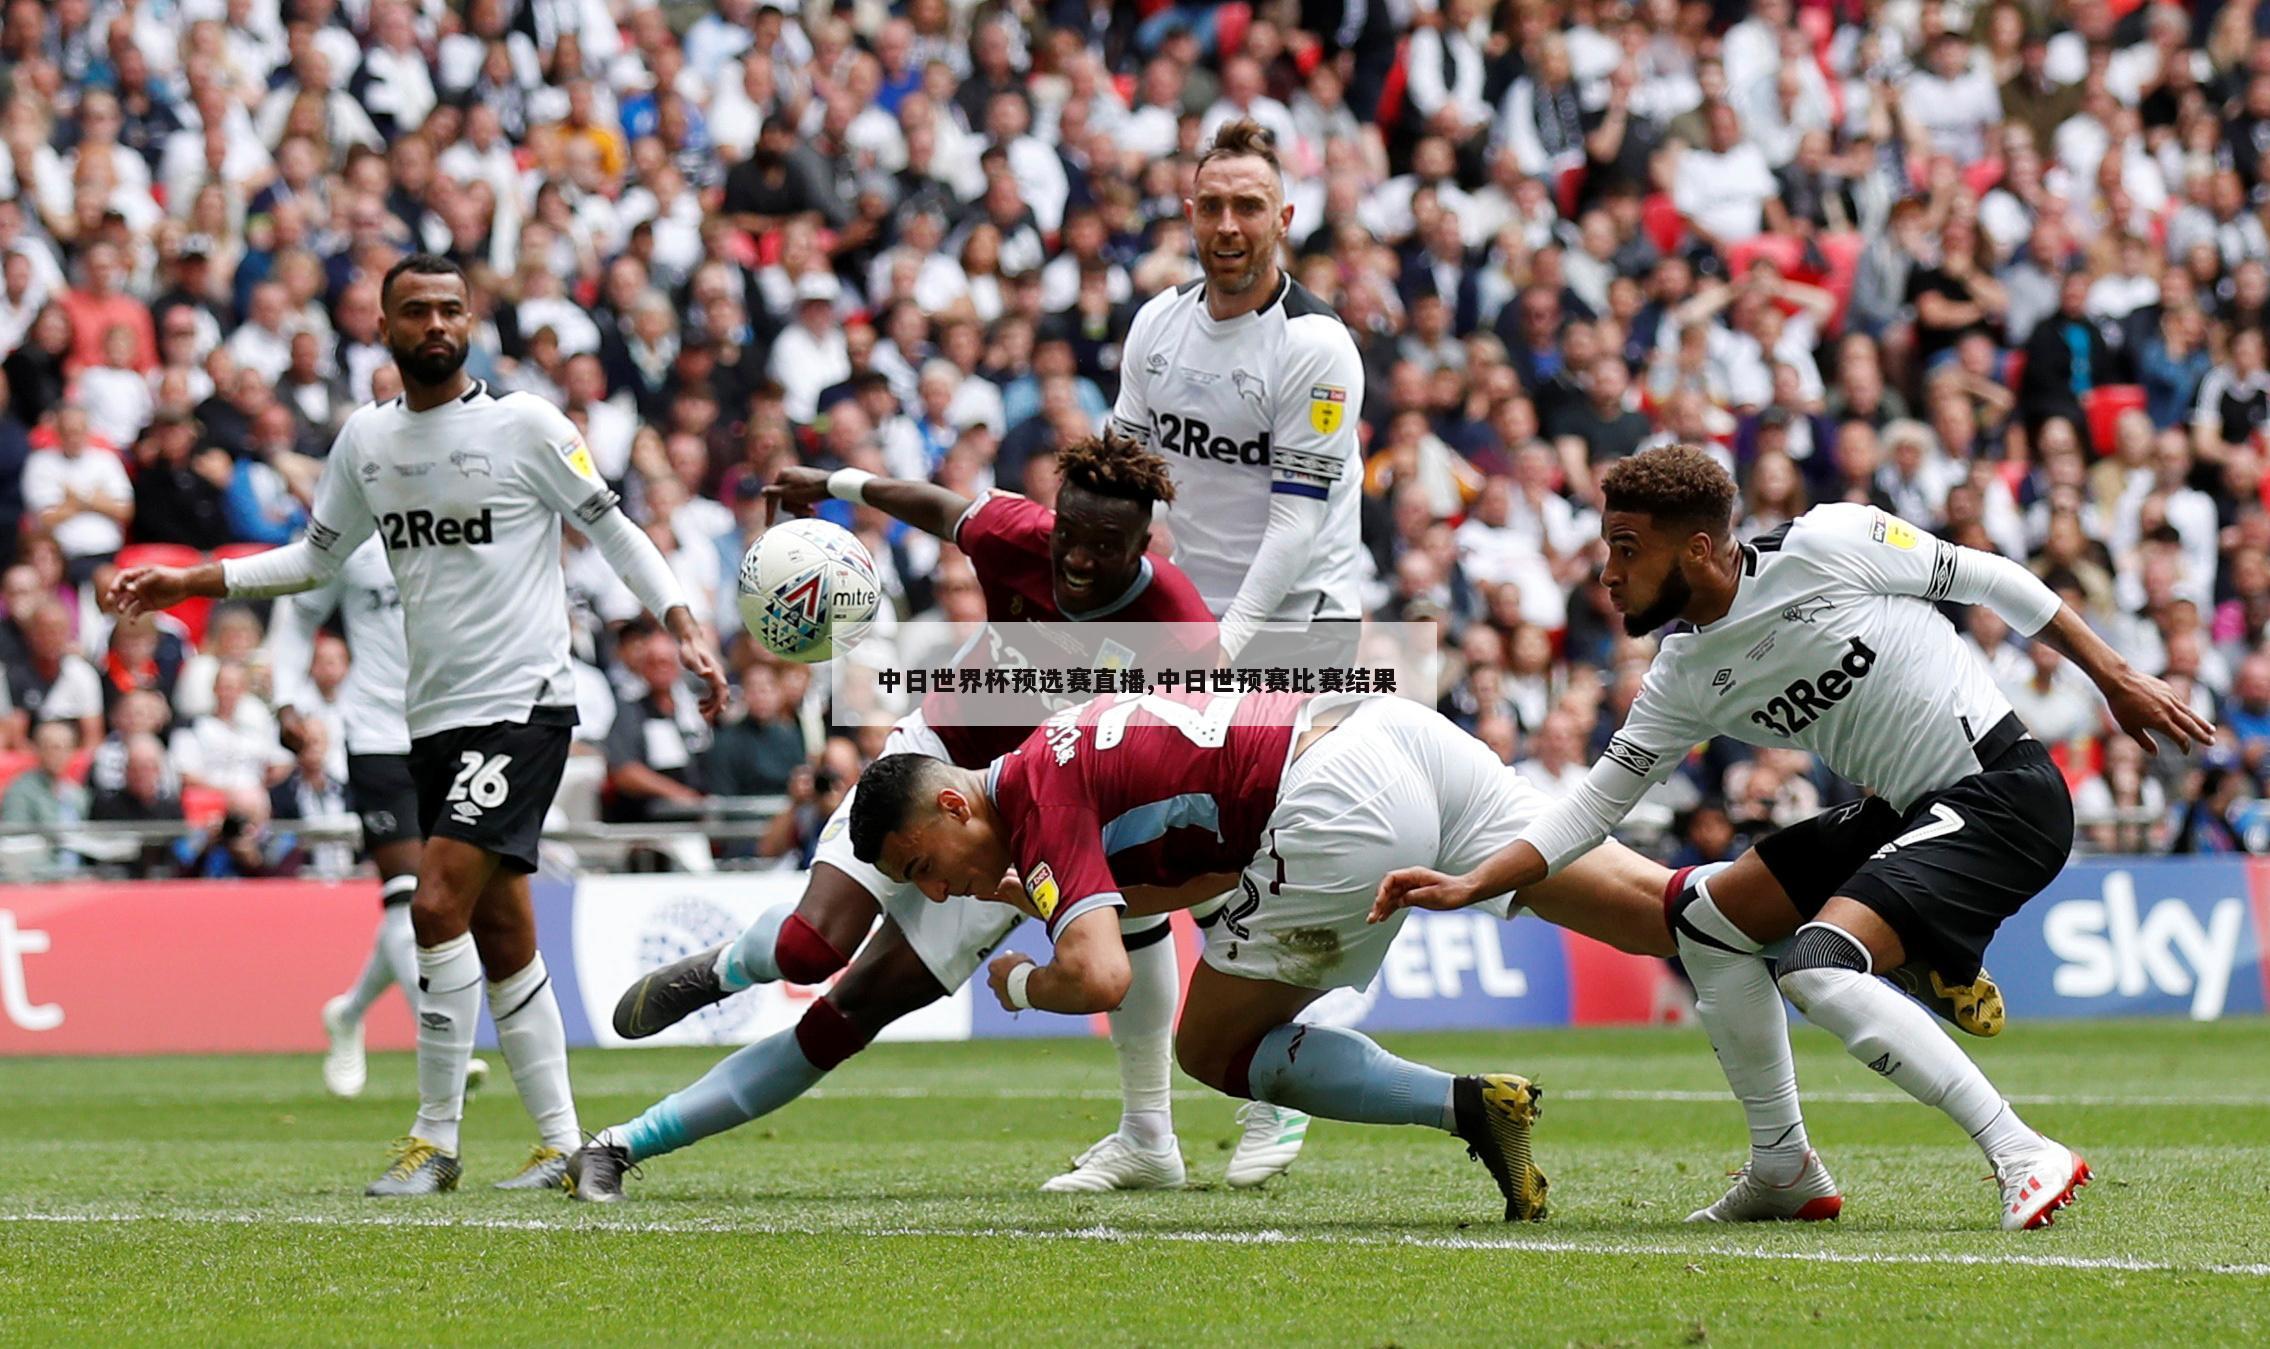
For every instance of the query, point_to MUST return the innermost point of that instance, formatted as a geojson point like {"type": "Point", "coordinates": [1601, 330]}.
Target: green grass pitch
{"type": "Point", "coordinates": [217, 1201]}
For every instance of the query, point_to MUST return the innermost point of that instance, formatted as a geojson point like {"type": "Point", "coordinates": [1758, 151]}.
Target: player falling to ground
{"type": "Point", "coordinates": [1297, 803]}
{"type": "Point", "coordinates": [1086, 560]}
{"type": "Point", "coordinates": [1251, 387]}
{"type": "Point", "coordinates": [466, 491]}
{"type": "Point", "coordinates": [1825, 634]}
{"type": "Point", "coordinates": [379, 787]}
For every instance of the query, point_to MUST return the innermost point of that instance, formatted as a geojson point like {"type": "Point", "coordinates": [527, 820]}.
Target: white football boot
{"type": "Point", "coordinates": [2035, 1185]}
{"type": "Point", "coordinates": [1812, 1197]}
{"type": "Point", "coordinates": [1272, 1138]}
{"type": "Point", "coordinates": [1113, 1164]}
{"type": "Point", "coordinates": [343, 1069]}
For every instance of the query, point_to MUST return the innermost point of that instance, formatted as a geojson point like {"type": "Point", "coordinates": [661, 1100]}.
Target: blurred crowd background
{"type": "Point", "coordinates": [2002, 268]}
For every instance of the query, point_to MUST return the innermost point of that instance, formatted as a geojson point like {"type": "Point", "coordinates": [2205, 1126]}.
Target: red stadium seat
{"type": "Point", "coordinates": [2013, 370]}
{"type": "Point", "coordinates": [203, 806]}
{"type": "Point", "coordinates": [14, 764]}
{"type": "Point", "coordinates": [229, 550]}
{"type": "Point", "coordinates": [2104, 405]}
{"type": "Point", "coordinates": [158, 555]}
{"type": "Point", "coordinates": [1661, 221]}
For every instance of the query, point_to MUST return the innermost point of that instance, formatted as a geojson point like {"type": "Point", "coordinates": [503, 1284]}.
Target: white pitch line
{"type": "Point", "coordinates": [1268, 1236]}
{"type": "Point", "coordinates": [1552, 1093]}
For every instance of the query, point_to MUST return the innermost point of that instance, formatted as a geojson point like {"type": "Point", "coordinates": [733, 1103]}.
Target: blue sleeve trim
{"type": "Point", "coordinates": [1300, 489]}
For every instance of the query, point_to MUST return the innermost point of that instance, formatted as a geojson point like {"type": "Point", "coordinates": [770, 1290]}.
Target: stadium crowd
{"type": "Point", "coordinates": [2002, 268]}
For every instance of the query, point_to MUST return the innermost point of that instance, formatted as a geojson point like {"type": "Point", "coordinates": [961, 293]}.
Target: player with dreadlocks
{"type": "Point", "coordinates": [1087, 560]}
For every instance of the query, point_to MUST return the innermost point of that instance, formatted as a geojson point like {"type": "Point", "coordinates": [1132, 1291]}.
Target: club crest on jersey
{"type": "Point", "coordinates": [1250, 388]}
{"type": "Point", "coordinates": [471, 463]}
{"type": "Point", "coordinates": [1892, 530]}
{"type": "Point", "coordinates": [1327, 407]}
{"type": "Point", "coordinates": [1040, 888]}
{"type": "Point", "coordinates": [1808, 610]}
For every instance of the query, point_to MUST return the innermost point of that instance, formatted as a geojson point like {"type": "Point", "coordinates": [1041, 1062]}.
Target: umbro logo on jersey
{"type": "Point", "coordinates": [1808, 610]}
{"type": "Point", "coordinates": [1806, 700]}
{"type": "Point", "coordinates": [1195, 439]}
{"type": "Point", "coordinates": [424, 529]}
{"type": "Point", "coordinates": [1155, 363]}
{"type": "Point", "coordinates": [1722, 681]}
{"type": "Point", "coordinates": [369, 472]}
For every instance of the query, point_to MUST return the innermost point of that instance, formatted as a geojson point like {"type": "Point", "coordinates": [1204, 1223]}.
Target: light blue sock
{"type": "Point", "coordinates": [751, 1081]}
{"type": "Point", "coordinates": [749, 959]}
{"type": "Point", "coordinates": [1340, 1074]}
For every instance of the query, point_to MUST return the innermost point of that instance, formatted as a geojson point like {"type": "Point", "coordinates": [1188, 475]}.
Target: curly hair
{"type": "Point", "coordinates": [1110, 467]}
{"type": "Point", "coordinates": [1239, 138]}
{"type": "Point", "coordinates": [1679, 485]}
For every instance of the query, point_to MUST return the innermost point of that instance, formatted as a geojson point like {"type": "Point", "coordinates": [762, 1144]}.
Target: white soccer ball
{"type": "Point", "coordinates": [808, 590]}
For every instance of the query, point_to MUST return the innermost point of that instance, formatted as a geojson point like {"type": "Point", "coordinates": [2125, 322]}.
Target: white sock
{"type": "Point", "coordinates": [1740, 1009]}
{"type": "Point", "coordinates": [376, 978]}
{"type": "Point", "coordinates": [1895, 1037]}
{"type": "Point", "coordinates": [527, 1016]}
{"type": "Point", "coordinates": [1142, 1035]}
{"type": "Point", "coordinates": [449, 1002]}
{"type": "Point", "coordinates": [749, 959]}
{"type": "Point", "coordinates": [399, 945]}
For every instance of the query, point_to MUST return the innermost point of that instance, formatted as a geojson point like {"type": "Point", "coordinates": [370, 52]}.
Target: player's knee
{"type": "Point", "coordinates": [1202, 1059]}
{"type": "Point", "coordinates": [803, 954]}
{"type": "Point", "coordinates": [827, 1037]}
{"type": "Point", "coordinates": [1698, 927]}
{"type": "Point", "coordinates": [1816, 956]}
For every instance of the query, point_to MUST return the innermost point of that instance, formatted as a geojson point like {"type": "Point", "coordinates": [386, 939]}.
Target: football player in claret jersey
{"type": "Point", "coordinates": [466, 491]}
{"type": "Point", "coordinates": [1298, 804]}
{"type": "Point", "coordinates": [1084, 561]}
{"type": "Point", "coordinates": [1824, 634]}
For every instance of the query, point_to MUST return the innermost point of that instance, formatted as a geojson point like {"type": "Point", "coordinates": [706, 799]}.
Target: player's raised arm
{"type": "Point", "coordinates": [1313, 443]}
{"type": "Point", "coordinates": [1890, 555]}
{"type": "Point", "coordinates": [1088, 973]}
{"type": "Point", "coordinates": [567, 481]}
{"type": "Point", "coordinates": [928, 507]}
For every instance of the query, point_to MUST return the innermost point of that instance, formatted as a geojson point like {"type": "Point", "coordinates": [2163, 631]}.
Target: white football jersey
{"type": "Point", "coordinates": [1833, 645]}
{"type": "Point", "coordinates": [466, 500]}
{"type": "Point", "coordinates": [370, 701]}
{"type": "Point", "coordinates": [1264, 403]}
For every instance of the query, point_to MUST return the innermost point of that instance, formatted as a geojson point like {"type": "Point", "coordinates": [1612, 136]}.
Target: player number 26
{"type": "Point", "coordinates": [482, 779]}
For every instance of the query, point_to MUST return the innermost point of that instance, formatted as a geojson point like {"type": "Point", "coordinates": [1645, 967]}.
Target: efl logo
{"type": "Point", "coordinates": [2113, 946]}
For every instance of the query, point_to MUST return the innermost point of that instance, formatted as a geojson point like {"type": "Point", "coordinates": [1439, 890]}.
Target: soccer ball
{"type": "Point", "coordinates": [808, 590]}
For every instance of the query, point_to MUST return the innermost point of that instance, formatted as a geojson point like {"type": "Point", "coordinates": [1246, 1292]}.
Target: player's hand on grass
{"type": "Point", "coordinates": [2143, 705]}
{"type": "Point", "coordinates": [798, 488]}
{"type": "Point", "coordinates": [997, 976]}
{"type": "Point", "coordinates": [1420, 888]}
{"type": "Point", "coordinates": [146, 590]}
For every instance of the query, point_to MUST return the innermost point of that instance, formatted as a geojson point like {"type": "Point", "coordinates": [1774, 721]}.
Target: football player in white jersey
{"type": "Point", "coordinates": [1825, 635]}
{"type": "Point", "coordinates": [1251, 388]}
{"type": "Point", "coordinates": [466, 491]}
{"type": "Point", "coordinates": [379, 789]}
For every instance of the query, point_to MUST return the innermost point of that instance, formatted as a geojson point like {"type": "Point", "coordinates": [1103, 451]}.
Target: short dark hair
{"type": "Point", "coordinates": [1115, 468]}
{"type": "Point", "coordinates": [1678, 485]}
{"type": "Point", "coordinates": [1239, 138]}
{"type": "Point", "coordinates": [890, 791]}
{"type": "Point", "coordinates": [420, 264]}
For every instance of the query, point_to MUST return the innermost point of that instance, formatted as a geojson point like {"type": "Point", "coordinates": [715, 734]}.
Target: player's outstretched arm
{"type": "Point", "coordinates": [928, 507]}
{"type": "Point", "coordinates": [1509, 868]}
{"type": "Point", "coordinates": [2141, 704]}
{"type": "Point", "coordinates": [1089, 972]}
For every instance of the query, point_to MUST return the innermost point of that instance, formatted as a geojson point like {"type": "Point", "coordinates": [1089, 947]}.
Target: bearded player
{"type": "Point", "coordinates": [1825, 635]}
{"type": "Point", "coordinates": [1086, 561]}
